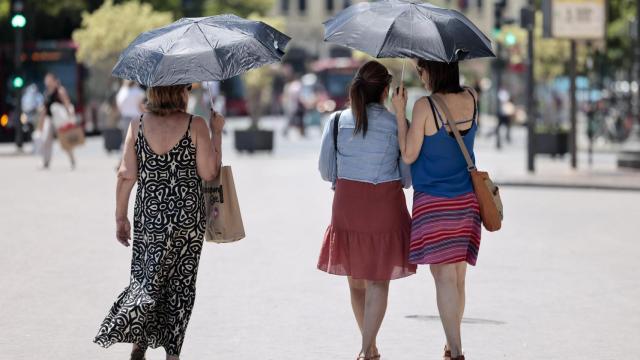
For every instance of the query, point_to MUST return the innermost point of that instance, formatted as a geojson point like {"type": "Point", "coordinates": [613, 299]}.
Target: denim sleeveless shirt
{"type": "Point", "coordinates": [374, 158]}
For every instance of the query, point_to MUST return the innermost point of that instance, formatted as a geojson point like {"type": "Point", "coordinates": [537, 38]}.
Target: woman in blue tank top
{"type": "Point", "coordinates": [445, 226]}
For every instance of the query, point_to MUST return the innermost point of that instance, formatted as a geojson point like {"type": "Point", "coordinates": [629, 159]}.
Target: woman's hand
{"type": "Point", "coordinates": [399, 101]}
{"type": "Point", "coordinates": [216, 122]}
{"type": "Point", "coordinates": [123, 231]}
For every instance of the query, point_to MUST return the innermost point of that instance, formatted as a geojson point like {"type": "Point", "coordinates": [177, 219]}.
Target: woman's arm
{"type": "Point", "coordinates": [405, 173]}
{"type": "Point", "coordinates": [127, 177]}
{"type": "Point", "coordinates": [410, 137]}
{"type": "Point", "coordinates": [208, 147]}
{"type": "Point", "coordinates": [66, 101]}
{"type": "Point", "coordinates": [327, 161]}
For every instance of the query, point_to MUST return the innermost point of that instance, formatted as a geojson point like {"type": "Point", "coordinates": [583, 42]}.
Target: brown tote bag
{"type": "Point", "coordinates": [486, 191]}
{"type": "Point", "coordinates": [71, 137]}
{"type": "Point", "coordinates": [224, 221]}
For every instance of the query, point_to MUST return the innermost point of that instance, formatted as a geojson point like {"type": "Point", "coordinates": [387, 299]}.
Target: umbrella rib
{"type": "Point", "coordinates": [393, 23]}
{"type": "Point", "coordinates": [204, 35]}
{"type": "Point", "coordinates": [386, 36]}
{"type": "Point", "coordinates": [275, 52]}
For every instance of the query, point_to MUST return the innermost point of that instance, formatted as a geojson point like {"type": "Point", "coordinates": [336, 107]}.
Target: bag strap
{"type": "Point", "coordinates": [336, 121]}
{"type": "Point", "coordinates": [454, 128]}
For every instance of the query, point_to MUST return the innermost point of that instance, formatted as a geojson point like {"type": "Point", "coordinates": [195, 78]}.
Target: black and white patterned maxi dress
{"type": "Point", "coordinates": [169, 224]}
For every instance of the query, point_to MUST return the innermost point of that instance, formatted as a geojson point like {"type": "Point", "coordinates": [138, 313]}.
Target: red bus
{"type": "Point", "coordinates": [335, 75]}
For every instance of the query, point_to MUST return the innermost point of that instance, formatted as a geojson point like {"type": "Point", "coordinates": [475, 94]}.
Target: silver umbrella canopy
{"type": "Point", "coordinates": [408, 29]}
{"type": "Point", "coordinates": [200, 49]}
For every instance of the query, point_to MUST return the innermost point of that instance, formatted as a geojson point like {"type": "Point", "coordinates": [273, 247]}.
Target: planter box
{"type": "Point", "coordinates": [112, 139]}
{"type": "Point", "coordinates": [629, 160]}
{"type": "Point", "coordinates": [552, 143]}
{"type": "Point", "coordinates": [254, 140]}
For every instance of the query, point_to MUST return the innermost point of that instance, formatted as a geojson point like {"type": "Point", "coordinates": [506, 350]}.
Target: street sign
{"type": "Point", "coordinates": [578, 19]}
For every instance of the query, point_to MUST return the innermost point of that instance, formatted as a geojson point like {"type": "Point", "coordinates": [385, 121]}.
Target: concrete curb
{"type": "Point", "coordinates": [557, 185]}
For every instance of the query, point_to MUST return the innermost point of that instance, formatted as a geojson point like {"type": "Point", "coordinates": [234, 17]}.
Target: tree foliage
{"type": "Point", "coordinates": [619, 42]}
{"type": "Point", "coordinates": [5, 7]}
{"type": "Point", "coordinates": [108, 30]}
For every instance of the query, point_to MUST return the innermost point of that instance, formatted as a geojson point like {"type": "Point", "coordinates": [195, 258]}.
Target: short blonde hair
{"type": "Point", "coordinates": [165, 100]}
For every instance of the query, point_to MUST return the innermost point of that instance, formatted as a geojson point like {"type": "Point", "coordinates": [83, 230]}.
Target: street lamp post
{"type": "Point", "coordinates": [18, 22]}
{"type": "Point", "coordinates": [637, 62]}
{"type": "Point", "coordinates": [528, 20]}
{"type": "Point", "coordinates": [573, 139]}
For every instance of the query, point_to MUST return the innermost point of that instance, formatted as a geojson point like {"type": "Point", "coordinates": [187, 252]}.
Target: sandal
{"type": "Point", "coordinates": [447, 353]}
{"type": "Point", "coordinates": [461, 357]}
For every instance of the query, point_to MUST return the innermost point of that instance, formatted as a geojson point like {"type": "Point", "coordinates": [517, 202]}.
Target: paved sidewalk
{"type": "Point", "coordinates": [559, 281]}
{"type": "Point", "coordinates": [508, 167]}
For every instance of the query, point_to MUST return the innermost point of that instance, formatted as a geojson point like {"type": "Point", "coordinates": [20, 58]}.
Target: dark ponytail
{"type": "Point", "coordinates": [367, 87]}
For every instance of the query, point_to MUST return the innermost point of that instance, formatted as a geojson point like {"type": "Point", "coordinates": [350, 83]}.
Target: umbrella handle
{"type": "Point", "coordinates": [211, 99]}
{"type": "Point", "coordinates": [404, 62]}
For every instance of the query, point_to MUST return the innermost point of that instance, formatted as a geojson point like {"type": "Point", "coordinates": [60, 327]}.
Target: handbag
{"type": "Point", "coordinates": [487, 193]}
{"type": "Point", "coordinates": [224, 220]}
{"type": "Point", "coordinates": [70, 136]}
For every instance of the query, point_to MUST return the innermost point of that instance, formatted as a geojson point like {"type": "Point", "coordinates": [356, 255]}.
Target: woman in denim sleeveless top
{"type": "Point", "coordinates": [368, 238]}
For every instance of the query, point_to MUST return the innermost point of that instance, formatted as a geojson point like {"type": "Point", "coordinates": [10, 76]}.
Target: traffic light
{"type": "Point", "coordinates": [498, 15]}
{"type": "Point", "coordinates": [510, 39]}
{"type": "Point", "coordinates": [17, 82]}
{"type": "Point", "coordinates": [18, 21]}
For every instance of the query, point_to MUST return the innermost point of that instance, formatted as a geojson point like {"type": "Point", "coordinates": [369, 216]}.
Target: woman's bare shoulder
{"type": "Point", "coordinates": [134, 125]}
{"type": "Point", "coordinates": [199, 127]}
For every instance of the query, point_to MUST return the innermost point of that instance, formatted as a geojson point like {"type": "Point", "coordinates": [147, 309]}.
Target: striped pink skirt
{"type": "Point", "coordinates": [444, 230]}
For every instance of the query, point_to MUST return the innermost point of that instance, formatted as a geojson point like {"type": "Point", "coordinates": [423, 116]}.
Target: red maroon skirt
{"type": "Point", "coordinates": [369, 234]}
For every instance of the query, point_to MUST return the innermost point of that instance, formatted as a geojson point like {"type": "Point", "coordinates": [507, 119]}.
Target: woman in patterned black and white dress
{"type": "Point", "coordinates": [168, 153]}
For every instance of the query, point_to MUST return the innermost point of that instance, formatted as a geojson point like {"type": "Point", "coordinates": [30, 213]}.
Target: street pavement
{"type": "Point", "coordinates": [559, 281]}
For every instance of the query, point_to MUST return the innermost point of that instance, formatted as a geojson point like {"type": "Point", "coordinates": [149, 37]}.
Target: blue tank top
{"type": "Point", "coordinates": [441, 169]}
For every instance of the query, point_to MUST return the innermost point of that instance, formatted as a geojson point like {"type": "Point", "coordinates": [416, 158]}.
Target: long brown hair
{"type": "Point", "coordinates": [443, 77]}
{"type": "Point", "coordinates": [367, 87]}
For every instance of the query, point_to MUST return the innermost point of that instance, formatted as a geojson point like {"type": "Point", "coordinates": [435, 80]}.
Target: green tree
{"type": "Point", "coordinates": [109, 30]}
{"type": "Point", "coordinates": [619, 52]}
{"type": "Point", "coordinates": [5, 6]}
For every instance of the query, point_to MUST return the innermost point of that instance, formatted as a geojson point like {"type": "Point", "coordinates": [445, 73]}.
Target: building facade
{"type": "Point", "coordinates": [304, 20]}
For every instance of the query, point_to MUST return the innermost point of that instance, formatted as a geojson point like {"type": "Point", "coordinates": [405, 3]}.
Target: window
{"type": "Point", "coordinates": [302, 6]}
{"type": "Point", "coordinates": [330, 5]}
{"type": "Point", "coordinates": [284, 6]}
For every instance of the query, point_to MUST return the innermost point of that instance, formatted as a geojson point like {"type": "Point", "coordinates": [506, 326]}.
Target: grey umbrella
{"type": "Point", "coordinates": [200, 49]}
{"type": "Point", "coordinates": [408, 29]}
